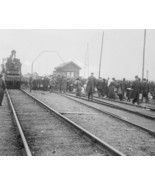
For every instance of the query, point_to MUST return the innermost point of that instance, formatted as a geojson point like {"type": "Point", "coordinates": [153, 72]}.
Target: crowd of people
{"type": "Point", "coordinates": [136, 91]}
{"type": "Point", "coordinates": [54, 83]}
{"type": "Point", "coordinates": [124, 90]}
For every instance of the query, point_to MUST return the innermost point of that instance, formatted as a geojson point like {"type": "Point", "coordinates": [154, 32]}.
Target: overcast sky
{"type": "Point", "coordinates": [122, 50]}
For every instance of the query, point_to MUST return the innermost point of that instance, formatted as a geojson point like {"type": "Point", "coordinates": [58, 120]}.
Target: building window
{"type": "Point", "coordinates": [70, 74]}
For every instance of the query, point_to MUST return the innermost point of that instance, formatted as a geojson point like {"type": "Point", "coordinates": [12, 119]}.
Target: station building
{"type": "Point", "coordinates": [68, 69]}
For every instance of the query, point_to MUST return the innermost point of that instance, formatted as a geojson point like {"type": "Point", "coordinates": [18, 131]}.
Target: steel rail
{"type": "Point", "coordinates": [109, 114]}
{"type": "Point", "coordinates": [126, 103]}
{"type": "Point", "coordinates": [82, 130]}
{"type": "Point", "coordinates": [118, 107]}
{"type": "Point", "coordinates": [125, 109]}
{"type": "Point", "coordinates": [26, 146]}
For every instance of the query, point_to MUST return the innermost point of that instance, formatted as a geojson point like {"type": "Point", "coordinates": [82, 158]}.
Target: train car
{"type": "Point", "coordinates": [12, 71]}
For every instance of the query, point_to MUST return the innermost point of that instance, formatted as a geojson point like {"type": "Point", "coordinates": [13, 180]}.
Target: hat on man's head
{"type": "Point", "coordinates": [13, 51]}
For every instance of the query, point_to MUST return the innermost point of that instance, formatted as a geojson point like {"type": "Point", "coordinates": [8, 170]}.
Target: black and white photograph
{"type": "Point", "coordinates": [77, 92]}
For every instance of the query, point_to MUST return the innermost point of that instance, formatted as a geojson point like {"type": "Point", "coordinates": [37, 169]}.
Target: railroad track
{"type": "Point", "coordinates": [10, 140]}
{"type": "Point", "coordinates": [146, 127]}
{"type": "Point", "coordinates": [125, 103]}
{"type": "Point", "coordinates": [129, 139]}
{"type": "Point", "coordinates": [44, 131]}
{"type": "Point", "coordinates": [124, 106]}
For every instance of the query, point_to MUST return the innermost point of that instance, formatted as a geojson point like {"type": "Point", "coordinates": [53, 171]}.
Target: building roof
{"type": "Point", "coordinates": [67, 63]}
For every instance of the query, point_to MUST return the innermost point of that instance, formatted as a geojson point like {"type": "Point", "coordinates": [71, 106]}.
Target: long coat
{"type": "Point", "coordinates": [91, 85]}
{"type": "Point", "coordinates": [64, 84]}
{"type": "Point", "coordinates": [99, 84]}
{"type": "Point", "coordinates": [78, 86]}
{"type": "Point", "coordinates": [145, 87]}
{"type": "Point", "coordinates": [111, 91]}
{"type": "Point", "coordinates": [123, 87]}
{"type": "Point", "coordinates": [136, 89]}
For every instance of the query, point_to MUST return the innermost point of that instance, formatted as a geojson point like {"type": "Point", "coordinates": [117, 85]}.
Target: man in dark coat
{"type": "Point", "coordinates": [111, 89]}
{"type": "Point", "coordinates": [99, 85]}
{"type": "Point", "coordinates": [52, 84]}
{"type": "Point", "coordinates": [78, 86]}
{"type": "Point", "coordinates": [136, 86]}
{"type": "Point", "coordinates": [105, 86]}
{"type": "Point", "coordinates": [145, 89]}
{"type": "Point", "coordinates": [123, 88]}
{"type": "Point", "coordinates": [2, 89]}
{"type": "Point", "coordinates": [90, 89]}
{"type": "Point", "coordinates": [64, 84]}
{"type": "Point", "coordinates": [30, 83]}
{"type": "Point", "coordinates": [58, 83]}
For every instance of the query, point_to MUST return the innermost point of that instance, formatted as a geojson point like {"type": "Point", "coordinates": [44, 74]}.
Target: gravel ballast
{"type": "Point", "coordinates": [48, 135]}
{"type": "Point", "coordinates": [124, 137]}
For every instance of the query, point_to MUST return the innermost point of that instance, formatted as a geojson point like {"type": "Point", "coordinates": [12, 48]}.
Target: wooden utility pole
{"type": "Point", "coordinates": [86, 65]}
{"type": "Point", "coordinates": [147, 74]}
{"type": "Point", "coordinates": [143, 66]}
{"type": "Point", "coordinates": [101, 55]}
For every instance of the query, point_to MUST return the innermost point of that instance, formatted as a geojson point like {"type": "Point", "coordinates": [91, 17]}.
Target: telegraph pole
{"type": "Point", "coordinates": [101, 54]}
{"type": "Point", "coordinates": [143, 66]}
{"type": "Point", "coordinates": [86, 65]}
{"type": "Point", "coordinates": [147, 74]}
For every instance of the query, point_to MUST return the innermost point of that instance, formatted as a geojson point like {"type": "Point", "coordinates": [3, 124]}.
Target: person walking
{"type": "Point", "coordinates": [119, 92]}
{"type": "Point", "coordinates": [105, 86]}
{"type": "Point", "coordinates": [30, 83]}
{"type": "Point", "coordinates": [145, 90]}
{"type": "Point", "coordinates": [59, 82]}
{"type": "Point", "coordinates": [2, 89]}
{"type": "Point", "coordinates": [90, 89]}
{"type": "Point", "coordinates": [78, 86]}
{"type": "Point", "coordinates": [64, 84]}
{"type": "Point", "coordinates": [124, 89]}
{"type": "Point", "coordinates": [136, 86]}
{"type": "Point", "coordinates": [111, 89]}
{"type": "Point", "coordinates": [99, 85]}
{"type": "Point", "coordinates": [52, 84]}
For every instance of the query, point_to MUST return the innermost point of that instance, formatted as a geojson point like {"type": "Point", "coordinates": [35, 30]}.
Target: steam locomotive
{"type": "Point", "coordinates": [11, 68]}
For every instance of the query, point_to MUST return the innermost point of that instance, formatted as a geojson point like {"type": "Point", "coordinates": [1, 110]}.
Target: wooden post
{"type": "Point", "coordinates": [101, 55]}
{"type": "Point", "coordinates": [147, 74]}
{"type": "Point", "coordinates": [143, 65]}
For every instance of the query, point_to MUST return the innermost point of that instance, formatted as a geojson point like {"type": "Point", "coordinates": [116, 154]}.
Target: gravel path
{"type": "Point", "coordinates": [125, 138]}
